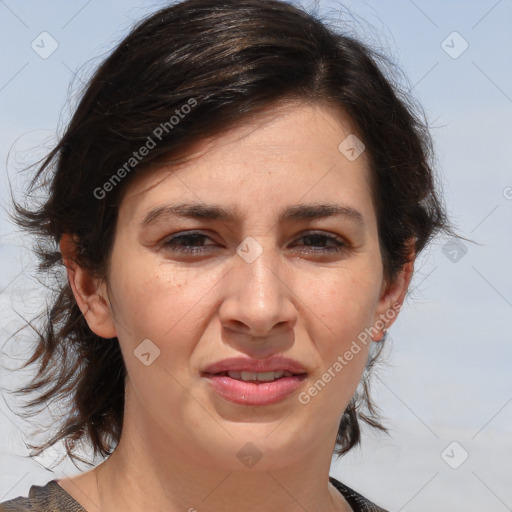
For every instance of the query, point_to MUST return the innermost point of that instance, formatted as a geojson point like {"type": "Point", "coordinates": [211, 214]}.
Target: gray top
{"type": "Point", "coordinates": [53, 498]}
{"type": "Point", "coordinates": [48, 498]}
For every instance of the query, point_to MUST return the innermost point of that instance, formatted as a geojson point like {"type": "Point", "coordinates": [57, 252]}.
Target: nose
{"type": "Point", "coordinates": [259, 302]}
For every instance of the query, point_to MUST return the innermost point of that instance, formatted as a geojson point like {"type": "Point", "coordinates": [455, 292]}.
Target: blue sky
{"type": "Point", "coordinates": [448, 377]}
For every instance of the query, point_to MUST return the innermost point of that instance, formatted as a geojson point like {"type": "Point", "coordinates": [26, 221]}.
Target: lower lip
{"type": "Point", "coordinates": [250, 393]}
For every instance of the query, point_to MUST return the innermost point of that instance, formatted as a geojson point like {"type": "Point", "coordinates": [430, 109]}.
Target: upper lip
{"type": "Point", "coordinates": [248, 364]}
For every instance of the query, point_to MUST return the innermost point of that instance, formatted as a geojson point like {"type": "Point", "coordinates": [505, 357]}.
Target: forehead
{"type": "Point", "coordinates": [290, 154]}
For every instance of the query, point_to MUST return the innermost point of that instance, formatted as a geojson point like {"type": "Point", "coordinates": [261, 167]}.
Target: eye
{"type": "Point", "coordinates": [320, 239]}
{"type": "Point", "coordinates": [188, 243]}
{"type": "Point", "coordinates": [196, 243]}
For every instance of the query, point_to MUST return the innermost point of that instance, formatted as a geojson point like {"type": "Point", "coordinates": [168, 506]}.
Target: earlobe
{"type": "Point", "coordinates": [392, 300]}
{"type": "Point", "coordinates": [89, 291]}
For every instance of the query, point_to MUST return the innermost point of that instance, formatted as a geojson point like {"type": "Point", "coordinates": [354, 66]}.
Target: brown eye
{"type": "Point", "coordinates": [188, 243]}
{"type": "Point", "coordinates": [320, 241]}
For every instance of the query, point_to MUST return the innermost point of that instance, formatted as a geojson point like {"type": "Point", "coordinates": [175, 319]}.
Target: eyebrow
{"type": "Point", "coordinates": [217, 213]}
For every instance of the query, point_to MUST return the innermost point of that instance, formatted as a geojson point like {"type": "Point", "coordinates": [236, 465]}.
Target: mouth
{"type": "Point", "coordinates": [255, 388]}
{"type": "Point", "coordinates": [249, 381]}
{"type": "Point", "coordinates": [257, 377]}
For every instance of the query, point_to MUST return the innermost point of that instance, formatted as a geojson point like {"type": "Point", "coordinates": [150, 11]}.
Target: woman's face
{"type": "Point", "coordinates": [259, 268]}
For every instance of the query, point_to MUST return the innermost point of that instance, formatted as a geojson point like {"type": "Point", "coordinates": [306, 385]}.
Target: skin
{"type": "Point", "coordinates": [178, 449]}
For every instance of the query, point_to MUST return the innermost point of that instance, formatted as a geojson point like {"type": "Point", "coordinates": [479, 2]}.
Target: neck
{"type": "Point", "coordinates": [134, 483]}
{"type": "Point", "coordinates": [149, 471]}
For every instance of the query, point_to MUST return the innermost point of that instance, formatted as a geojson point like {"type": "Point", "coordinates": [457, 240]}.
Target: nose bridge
{"type": "Point", "coordinates": [258, 270]}
{"type": "Point", "coordinates": [258, 296]}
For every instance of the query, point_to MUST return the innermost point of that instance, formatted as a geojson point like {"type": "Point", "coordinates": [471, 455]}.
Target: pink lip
{"type": "Point", "coordinates": [255, 393]}
{"type": "Point", "coordinates": [250, 393]}
{"type": "Point", "coordinates": [248, 364]}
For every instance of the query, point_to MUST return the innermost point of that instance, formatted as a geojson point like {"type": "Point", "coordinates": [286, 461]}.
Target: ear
{"type": "Point", "coordinates": [392, 298]}
{"type": "Point", "coordinates": [90, 292]}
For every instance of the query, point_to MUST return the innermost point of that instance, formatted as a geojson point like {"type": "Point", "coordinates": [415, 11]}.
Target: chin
{"type": "Point", "coordinates": [257, 449]}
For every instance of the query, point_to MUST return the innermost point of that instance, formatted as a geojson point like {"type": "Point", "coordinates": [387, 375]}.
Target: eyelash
{"type": "Point", "coordinates": [169, 244]}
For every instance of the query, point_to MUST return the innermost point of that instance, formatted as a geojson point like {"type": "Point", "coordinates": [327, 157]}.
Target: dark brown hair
{"type": "Point", "coordinates": [227, 60]}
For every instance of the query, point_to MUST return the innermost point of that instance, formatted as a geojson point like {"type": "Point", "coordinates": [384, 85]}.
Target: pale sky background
{"type": "Point", "coordinates": [449, 376]}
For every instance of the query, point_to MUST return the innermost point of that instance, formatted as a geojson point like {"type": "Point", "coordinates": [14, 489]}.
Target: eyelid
{"type": "Point", "coordinates": [327, 234]}
{"type": "Point", "coordinates": [341, 243]}
{"type": "Point", "coordinates": [187, 250]}
{"type": "Point", "coordinates": [310, 232]}
{"type": "Point", "coordinates": [191, 233]}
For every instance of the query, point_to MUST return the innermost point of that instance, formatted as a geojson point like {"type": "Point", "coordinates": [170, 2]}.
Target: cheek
{"type": "Point", "coordinates": [345, 309]}
{"type": "Point", "coordinates": [347, 304]}
{"type": "Point", "coordinates": [163, 303]}
{"type": "Point", "coordinates": [157, 312]}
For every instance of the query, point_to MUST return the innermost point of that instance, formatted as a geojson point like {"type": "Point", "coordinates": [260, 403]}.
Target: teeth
{"type": "Point", "coordinates": [260, 376]}
{"type": "Point", "coordinates": [264, 376]}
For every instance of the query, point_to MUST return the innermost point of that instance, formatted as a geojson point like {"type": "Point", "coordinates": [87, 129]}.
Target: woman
{"type": "Point", "coordinates": [238, 201]}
